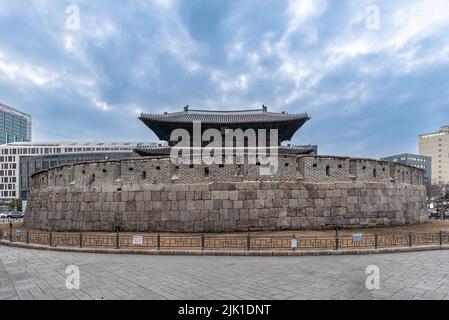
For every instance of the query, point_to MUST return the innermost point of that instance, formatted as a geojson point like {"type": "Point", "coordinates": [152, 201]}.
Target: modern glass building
{"type": "Point", "coordinates": [15, 126]}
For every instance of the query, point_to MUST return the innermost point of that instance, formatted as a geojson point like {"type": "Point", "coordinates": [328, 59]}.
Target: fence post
{"type": "Point", "coordinates": [203, 242]}
{"type": "Point", "coordinates": [441, 238]}
{"type": "Point", "coordinates": [50, 238]}
{"type": "Point", "coordinates": [81, 239]}
{"type": "Point", "coordinates": [376, 241]}
{"type": "Point", "coordinates": [117, 240]}
{"type": "Point", "coordinates": [1, 234]}
{"type": "Point", "coordinates": [410, 239]}
{"type": "Point", "coordinates": [28, 237]}
{"type": "Point", "coordinates": [337, 238]}
{"type": "Point", "coordinates": [10, 232]}
{"type": "Point", "coordinates": [158, 240]}
{"type": "Point", "coordinates": [248, 242]}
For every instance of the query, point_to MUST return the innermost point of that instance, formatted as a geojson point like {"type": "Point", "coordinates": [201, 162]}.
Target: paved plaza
{"type": "Point", "coordinates": [34, 274]}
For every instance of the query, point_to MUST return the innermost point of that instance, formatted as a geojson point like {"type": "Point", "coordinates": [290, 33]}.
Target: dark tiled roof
{"type": "Point", "coordinates": [224, 117]}
{"type": "Point", "coordinates": [152, 151]}
{"type": "Point", "coordinates": [144, 150]}
{"type": "Point", "coordinates": [296, 150]}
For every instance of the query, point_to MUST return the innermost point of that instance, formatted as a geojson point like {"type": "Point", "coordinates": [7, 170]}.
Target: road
{"type": "Point", "coordinates": [34, 274]}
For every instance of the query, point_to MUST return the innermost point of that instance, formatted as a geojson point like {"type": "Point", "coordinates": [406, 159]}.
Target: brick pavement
{"type": "Point", "coordinates": [34, 274]}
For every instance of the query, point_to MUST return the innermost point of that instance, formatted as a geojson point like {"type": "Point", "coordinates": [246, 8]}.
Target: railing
{"type": "Point", "coordinates": [220, 242]}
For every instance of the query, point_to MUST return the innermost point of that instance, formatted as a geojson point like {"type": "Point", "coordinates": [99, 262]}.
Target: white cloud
{"type": "Point", "coordinates": [234, 50]}
{"type": "Point", "coordinates": [230, 83]}
{"type": "Point", "coordinates": [299, 56]}
{"type": "Point", "coordinates": [100, 31]}
{"type": "Point", "coordinates": [173, 38]}
{"type": "Point", "coordinates": [3, 9]}
{"type": "Point", "coordinates": [252, 58]}
{"type": "Point", "coordinates": [68, 43]}
{"type": "Point", "coordinates": [418, 20]}
{"type": "Point", "coordinates": [302, 10]}
{"type": "Point", "coordinates": [100, 104]}
{"type": "Point", "coordinates": [164, 4]}
{"type": "Point", "coordinates": [403, 26]}
{"type": "Point", "coordinates": [22, 72]}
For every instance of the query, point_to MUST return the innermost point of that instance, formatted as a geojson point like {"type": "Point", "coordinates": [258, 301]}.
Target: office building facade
{"type": "Point", "coordinates": [15, 126]}
{"type": "Point", "coordinates": [436, 146]}
{"type": "Point", "coordinates": [18, 161]}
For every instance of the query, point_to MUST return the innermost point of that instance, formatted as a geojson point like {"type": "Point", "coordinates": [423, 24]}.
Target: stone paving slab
{"type": "Point", "coordinates": [38, 274]}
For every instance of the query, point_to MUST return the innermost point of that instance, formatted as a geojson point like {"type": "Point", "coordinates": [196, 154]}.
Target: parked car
{"type": "Point", "coordinates": [15, 215]}
{"type": "Point", "coordinates": [4, 215]}
{"type": "Point", "coordinates": [433, 214]}
{"type": "Point", "coordinates": [446, 214]}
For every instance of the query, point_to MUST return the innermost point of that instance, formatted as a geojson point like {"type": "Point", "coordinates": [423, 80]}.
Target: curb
{"type": "Point", "coordinates": [242, 253]}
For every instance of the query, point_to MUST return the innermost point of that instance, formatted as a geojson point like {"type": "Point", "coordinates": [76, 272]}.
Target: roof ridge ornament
{"type": "Point", "coordinates": [264, 108]}
{"type": "Point", "coordinates": [186, 108]}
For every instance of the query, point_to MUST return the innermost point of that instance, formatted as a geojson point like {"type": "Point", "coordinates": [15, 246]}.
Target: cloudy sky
{"type": "Point", "coordinates": [370, 85]}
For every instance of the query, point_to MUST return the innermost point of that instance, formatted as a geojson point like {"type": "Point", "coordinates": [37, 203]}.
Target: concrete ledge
{"type": "Point", "coordinates": [261, 253]}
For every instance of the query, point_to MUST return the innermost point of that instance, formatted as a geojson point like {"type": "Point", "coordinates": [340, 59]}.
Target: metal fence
{"type": "Point", "coordinates": [220, 242]}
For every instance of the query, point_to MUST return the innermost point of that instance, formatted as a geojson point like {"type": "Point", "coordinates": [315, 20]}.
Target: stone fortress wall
{"type": "Point", "coordinates": [154, 194]}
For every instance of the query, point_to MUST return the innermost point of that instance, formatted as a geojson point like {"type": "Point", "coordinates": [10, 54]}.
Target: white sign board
{"type": "Point", "coordinates": [24, 206]}
{"type": "Point", "coordinates": [357, 237]}
{"type": "Point", "coordinates": [294, 243]}
{"type": "Point", "coordinates": [138, 240]}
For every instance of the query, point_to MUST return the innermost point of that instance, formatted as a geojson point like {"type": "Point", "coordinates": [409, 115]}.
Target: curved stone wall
{"type": "Point", "coordinates": [153, 194]}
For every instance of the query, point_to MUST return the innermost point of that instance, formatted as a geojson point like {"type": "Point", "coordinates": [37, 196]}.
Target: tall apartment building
{"type": "Point", "coordinates": [18, 161]}
{"type": "Point", "coordinates": [15, 126]}
{"type": "Point", "coordinates": [436, 146]}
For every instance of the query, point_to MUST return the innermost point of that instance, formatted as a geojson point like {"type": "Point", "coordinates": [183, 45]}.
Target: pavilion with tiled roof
{"type": "Point", "coordinates": [164, 124]}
